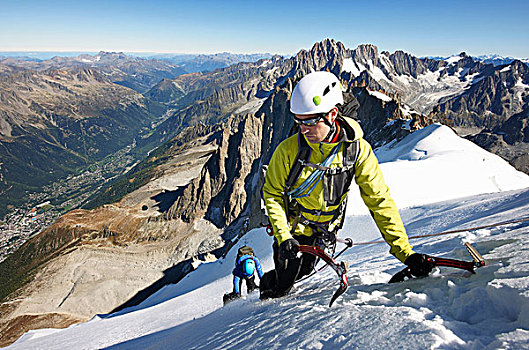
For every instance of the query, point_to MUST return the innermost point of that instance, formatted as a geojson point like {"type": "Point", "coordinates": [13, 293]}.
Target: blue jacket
{"type": "Point", "coordinates": [238, 271]}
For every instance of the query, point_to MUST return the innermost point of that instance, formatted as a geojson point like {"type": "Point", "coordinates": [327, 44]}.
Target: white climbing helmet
{"type": "Point", "coordinates": [317, 92]}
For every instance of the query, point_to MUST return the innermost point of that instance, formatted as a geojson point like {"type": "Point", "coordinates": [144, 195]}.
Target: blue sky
{"type": "Point", "coordinates": [204, 26]}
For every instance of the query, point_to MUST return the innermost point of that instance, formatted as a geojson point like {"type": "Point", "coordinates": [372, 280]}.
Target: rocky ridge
{"type": "Point", "coordinates": [469, 95]}
{"type": "Point", "coordinates": [213, 97]}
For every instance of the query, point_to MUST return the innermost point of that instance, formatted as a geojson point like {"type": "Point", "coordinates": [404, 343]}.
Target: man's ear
{"type": "Point", "coordinates": [333, 113]}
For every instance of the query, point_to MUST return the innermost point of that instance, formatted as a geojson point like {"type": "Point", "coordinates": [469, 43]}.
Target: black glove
{"type": "Point", "coordinates": [419, 264]}
{"type": "Point", "coordinates": [289, 249]}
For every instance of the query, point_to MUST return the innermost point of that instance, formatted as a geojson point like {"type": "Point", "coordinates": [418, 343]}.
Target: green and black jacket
{"type": "Point", "coordinates": [328, 194]}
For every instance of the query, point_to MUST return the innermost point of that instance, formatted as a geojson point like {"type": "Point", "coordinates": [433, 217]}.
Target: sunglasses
{"type": "Point", "coordinates": [309, 122]}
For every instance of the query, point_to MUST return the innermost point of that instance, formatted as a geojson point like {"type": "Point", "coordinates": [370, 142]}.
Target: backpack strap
{"type": "Point", "coordinates": [351, 153]}
{"type": "Point", "coordinates": [303, 156]}
{"type": "Point", "coordinates": [350, 156]}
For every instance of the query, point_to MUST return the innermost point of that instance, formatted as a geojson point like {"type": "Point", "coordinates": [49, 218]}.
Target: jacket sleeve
{"type": "Point", "coordinates": [236, 284]}
{"type": "Point", "coordinates": [237, 273]}
{"type": "Point", "coordinates": [376, 196]}
{"type": "Point", "coordinates": [258, 267]}
{"type": "Point", "coordinates": [276, 177]}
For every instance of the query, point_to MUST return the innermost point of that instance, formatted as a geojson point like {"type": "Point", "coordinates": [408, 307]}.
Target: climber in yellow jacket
{"type": "Point", "coordinates": [325, 156]}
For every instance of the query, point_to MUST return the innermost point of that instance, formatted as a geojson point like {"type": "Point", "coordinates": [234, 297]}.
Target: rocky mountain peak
{"type": "Point", "coordinates": [325, 55]}
{"type": "Point", "coordinates": [328, 47]}
{"type": "Point", "coordinates": [407, 64]}
{"type": "Point", "coordinates": [366, 52]}
{"type": "Point", "coordinates": [518, 67]}
{"type": "Point", "coordinates": [111, 55]}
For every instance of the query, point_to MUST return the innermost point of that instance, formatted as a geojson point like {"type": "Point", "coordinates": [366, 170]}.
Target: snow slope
{"type": "Point", "coordinates": [441, 183]}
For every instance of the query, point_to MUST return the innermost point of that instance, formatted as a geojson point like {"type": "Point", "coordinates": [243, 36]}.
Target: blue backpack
{"type": "Point", "coordinates": [248, 267]}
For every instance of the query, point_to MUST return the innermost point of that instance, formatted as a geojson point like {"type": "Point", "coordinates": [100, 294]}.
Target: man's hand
{"type": "Point", "coordinates": [288, 249]}
{"type": "Point", "coordinates": [419, 264]}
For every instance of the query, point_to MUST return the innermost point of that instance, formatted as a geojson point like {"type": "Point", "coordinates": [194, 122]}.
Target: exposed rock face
{"type": "Point", "coordinates": [509, 140]}
{"type": "Point", "coordinates": [220, 192]}
{"type": "Point", "coordinates": [277, 123]}
{"type": "Point", "coordinates": [406, 64]}
{"type": "Point", "coordinates": [516, 128]}
{"type": "Point", "coordinates": [325, 55]}
{"type": "Point", "coordinates": [489, 102]}
{"type": "Point", "coordinates": [385, 120]}
{"type": "Point", "coordinates": [165, 90]}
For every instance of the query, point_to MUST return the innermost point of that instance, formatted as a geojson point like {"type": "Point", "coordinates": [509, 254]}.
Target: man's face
{"type": "Point", "coordinates": [317, 132]}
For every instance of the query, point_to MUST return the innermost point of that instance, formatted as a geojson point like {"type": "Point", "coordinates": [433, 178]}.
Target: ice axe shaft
{"type": "Point", "coordinates": [478, 259]}
{"type": "Point", "coordinates": [339, 268]}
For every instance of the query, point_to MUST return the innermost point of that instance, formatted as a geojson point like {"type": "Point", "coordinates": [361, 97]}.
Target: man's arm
{"type": "Point", "coordinates": [376, 196]}
{"type": "Point", "coordinates": [258, 267]}
{"type": "Point", "coordinates": [236, 284]}
{"type": "Point", "coordinates": [276, 176]}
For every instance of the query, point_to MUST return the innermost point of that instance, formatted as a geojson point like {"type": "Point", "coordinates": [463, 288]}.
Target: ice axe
{"type": "Point", "coordinates": [339, 268]}
{"type": "Point", "coordinates": [470, 266]}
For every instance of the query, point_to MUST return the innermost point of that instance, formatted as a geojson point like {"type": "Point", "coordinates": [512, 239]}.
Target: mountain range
{"type": "Point", "coordinates": [133, 72]}
{"type": "Point", "coordinates": [205, 136]}
{"type": "Point", "coordinates": [469, 95]}
{"type": "Point", "coordinates": [495, 59]}
{"type": "Point", "coordinates": [139, 69]}
{"type": "Point", "coordinates": [207, 63]}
